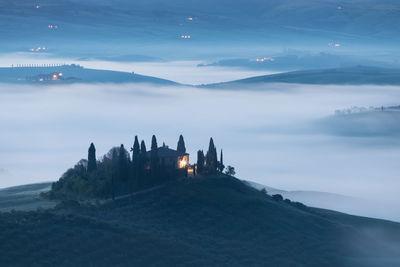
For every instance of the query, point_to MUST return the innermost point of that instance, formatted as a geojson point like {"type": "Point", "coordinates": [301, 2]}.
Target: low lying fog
{"type": "Point", "coordinates": [185, 72]}
{"type": "Point", "coordinates": [268, 135]}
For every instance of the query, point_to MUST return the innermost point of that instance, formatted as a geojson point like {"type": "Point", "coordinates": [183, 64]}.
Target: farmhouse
{"type": "Point", "coordinates": [170, 157]}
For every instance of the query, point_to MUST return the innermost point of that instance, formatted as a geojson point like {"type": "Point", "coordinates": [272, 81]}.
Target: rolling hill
{"type": "Point", "coordinates": [113, 28]}
{"type": "Point", "coordinates": [339, 76]}
{"type": "Point", "coordinates": [337, 202]}
{"type": "Point", "coordinates": [214, 221]}
{"type": "Point", "coordinates": [74, 74]}
{"type": "Point", "coordinates": [377, 122]}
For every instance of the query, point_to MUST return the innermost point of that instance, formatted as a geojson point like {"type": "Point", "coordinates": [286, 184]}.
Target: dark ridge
{"type": "Point", "coordinates": [338, 76]}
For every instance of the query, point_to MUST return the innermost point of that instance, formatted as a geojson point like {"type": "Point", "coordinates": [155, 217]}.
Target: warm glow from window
{"type": "Point", "coordinates": [183, 163]}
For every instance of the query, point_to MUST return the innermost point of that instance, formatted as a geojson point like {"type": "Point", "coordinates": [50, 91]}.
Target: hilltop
{"type": "Point", "coordinates": [206, 221]}
{"type": "Point", "coordinates": [73, 74]}
{"type": "Point", "coordinates": [338, 76]}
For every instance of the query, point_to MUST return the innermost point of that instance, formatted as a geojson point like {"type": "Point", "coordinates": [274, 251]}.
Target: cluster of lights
{"type": "Point", "coordinates": [54, 77]}
{"type": "Point", "coordinates": [186, 36]}
{"type": "Point", "coordinates": [53, 27]}
{"type": "Point", "coordinates": [38, 49]}
{"type": "Point", "coordinates": [331, 44]}
{"type": "Point", "coordinates": [265, 59]}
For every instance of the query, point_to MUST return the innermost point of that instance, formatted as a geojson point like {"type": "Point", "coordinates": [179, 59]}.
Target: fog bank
{"type": "Point", "coordinates": [269, 135]}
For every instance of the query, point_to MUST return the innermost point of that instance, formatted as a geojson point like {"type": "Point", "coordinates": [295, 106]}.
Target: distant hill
{"type": "Point", "coordinates": [331, 201]}
{"type": "Point", "coordinates": [214, 221]}
{"type": "Point", "coordinates": [338, 76]}
{"type": "Point", "coordinates": [362, 122]}
{"type": "Point", "coordinates": [104, 27]}
{"type": "Point", "coordinates": [73, 74]}
{"type": "Point", "coordinates": [292, 61]}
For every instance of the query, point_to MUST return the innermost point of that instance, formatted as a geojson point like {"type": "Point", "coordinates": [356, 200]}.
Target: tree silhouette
{"type": "Point", "coordinates": [92, 164]}
{"type": "Point", "coordinates": [181, 145]}
{"type": "Point", "coordinates": [135, 161]}
{"type": "Point", "coordinates": [142, 163]}
{"type": "Point", "coordinates": [211, 158]}
{"type": "Point", "coordinates": [221, 165]}
{"type": "Point", "coordinates": [135, 149]}
{"type": "Point", "coordinates": [230, 171]}
{"type": "Point", "coordinates": [123, 163]}
{"type": "Point", "coordinates": [154, 154]}
{"type": "Point", "coordinates": [200, 161]}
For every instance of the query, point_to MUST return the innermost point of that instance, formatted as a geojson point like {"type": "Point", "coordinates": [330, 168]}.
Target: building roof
{"type": "Point", "coordinates": [165, 152]}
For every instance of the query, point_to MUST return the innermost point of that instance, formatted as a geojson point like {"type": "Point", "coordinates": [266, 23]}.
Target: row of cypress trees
{"type": "Point", "coordinates": [205, 163]}
{"type": "Point", "coordinates": [134, 168]}
{"type": "Point", "coordinates": [209, 164]}
{"type": "Point", "coordinates": [120, 172]}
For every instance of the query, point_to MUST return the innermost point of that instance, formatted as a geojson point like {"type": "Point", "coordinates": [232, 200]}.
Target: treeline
{"type": "Point", "coordinates": [122, 172]}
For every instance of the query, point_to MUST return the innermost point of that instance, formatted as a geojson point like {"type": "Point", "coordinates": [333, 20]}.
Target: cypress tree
{"type": "Point", "coordinates": [92, 164]}
{"type": "Point", "coordinates": [200, 161]}
{"type": "Point", "coordinates": [123, 161]}
{"type": "Point", "coordinates": [221, 163]}
{"type": "Point", "coordinates": [142, 163]}
{"type": "Point", "coordinates": [135, 149]}
{"type": "Point", "coordinates": [154, 145]}
{"type": "Point", "coordinates": [153, 155]}
{"type": "Point", "coordinates": [211, 159]}
{"type": "Point", "coordinates": [143, 148]}
{"type": "Point", "coordinates": [135, 162]}
{"type": "Point", "coordinates": [181, 145]}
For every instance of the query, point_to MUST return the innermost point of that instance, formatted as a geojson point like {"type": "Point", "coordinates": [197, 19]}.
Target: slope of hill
{"type": "Point", "coordinates": [73, 74]}
{"type": "Point", "coordinates": [295, 61]}
{"type": "Point", "coordinates": [337, 202]}
{"type": "Point", "coordinates": [197, 222]}
{"type": "Point", "coordinates": [378, 122]}
{"type": "Point", "coordinates": [25, 197]}
{"type": "Point", "coordinates": [340, 76]}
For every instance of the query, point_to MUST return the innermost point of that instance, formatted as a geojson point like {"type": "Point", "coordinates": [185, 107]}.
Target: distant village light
{"type": "Point", "coordinates": [265, 59]}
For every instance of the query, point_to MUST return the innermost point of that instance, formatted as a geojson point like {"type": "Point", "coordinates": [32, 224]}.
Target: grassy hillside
{"type": "Point", "coordinates": [25, 197]}
{"type": "Point", "coordinates": [74, 74]}
{"type": "Point", "coordinates": [197, 222]}
{"type": "Point", "coordinates": [340, 76]}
